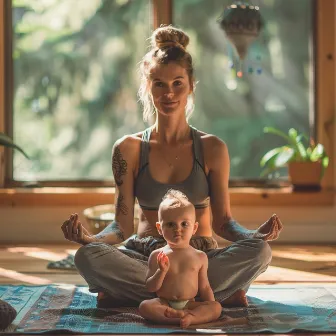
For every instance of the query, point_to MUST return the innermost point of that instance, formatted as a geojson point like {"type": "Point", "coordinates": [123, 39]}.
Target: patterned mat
{"type": "Point", "coordinates": [67, 308]}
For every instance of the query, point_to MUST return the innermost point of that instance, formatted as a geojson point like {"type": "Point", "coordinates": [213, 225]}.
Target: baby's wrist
{"type": "Point", "coordinates": [162, 272]}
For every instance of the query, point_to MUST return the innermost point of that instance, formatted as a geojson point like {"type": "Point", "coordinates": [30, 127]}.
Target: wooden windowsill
{"type": "Point", "coordinates": [55, 196]}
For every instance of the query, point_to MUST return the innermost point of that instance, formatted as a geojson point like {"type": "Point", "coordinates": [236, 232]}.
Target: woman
{"type": "Point", "coordinates": [170, 154]}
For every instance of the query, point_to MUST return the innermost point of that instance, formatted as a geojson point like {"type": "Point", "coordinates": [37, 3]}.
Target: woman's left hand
{"type": "Point", "coordinates": [270, 230]}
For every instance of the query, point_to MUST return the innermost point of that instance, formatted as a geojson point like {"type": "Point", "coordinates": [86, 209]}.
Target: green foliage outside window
{"type": "Point", "coordinates": [76, 81]}
{"type": "Point", "coordinates": [238, 109]}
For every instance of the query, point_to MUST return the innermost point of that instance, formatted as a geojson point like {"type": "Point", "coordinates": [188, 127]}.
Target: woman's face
{"type": "Point", "coordinates": [170, 88]}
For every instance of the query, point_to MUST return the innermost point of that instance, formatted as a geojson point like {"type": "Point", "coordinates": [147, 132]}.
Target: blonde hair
{"type": "Point", "coordinates": [168, 44]}
{"type": "Point", "coordinates": [174, 199]}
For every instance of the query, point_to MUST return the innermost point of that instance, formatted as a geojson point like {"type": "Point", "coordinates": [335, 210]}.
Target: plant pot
{"type": "Point", "coordinates": [305, 176]}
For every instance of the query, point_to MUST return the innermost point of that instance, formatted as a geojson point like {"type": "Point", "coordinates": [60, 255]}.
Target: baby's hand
{"type": "Point", "coordinates": [163, 262]}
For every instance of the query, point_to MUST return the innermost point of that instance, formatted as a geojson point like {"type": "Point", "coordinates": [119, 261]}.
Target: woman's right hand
{"type": "Point", "coordinates": [74, 231]}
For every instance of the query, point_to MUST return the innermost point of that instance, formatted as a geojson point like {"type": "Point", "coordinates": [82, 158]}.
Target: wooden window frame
{"type": "Point", "coordinates": [89, 192]}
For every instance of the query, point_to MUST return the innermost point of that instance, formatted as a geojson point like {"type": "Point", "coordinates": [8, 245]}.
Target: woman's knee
{"type": "Point", "coordinates": [87, 255]}
{"type": "Point", "coordinates": [263, 252]}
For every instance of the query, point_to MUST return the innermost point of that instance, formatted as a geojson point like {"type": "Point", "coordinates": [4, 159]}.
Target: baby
{"type": "Point", "coordinates": [177, 271]}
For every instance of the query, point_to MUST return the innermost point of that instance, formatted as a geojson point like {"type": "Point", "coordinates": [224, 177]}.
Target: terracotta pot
{"type": "Point", "coordinates": [305, 175]}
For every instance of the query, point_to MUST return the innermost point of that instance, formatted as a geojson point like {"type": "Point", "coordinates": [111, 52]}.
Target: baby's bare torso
{"type": "Point", "coordinates": [181, 280]}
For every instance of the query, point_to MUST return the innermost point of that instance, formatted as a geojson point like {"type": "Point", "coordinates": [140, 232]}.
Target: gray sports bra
{"type": "Point", "coordinates": [150, 192]}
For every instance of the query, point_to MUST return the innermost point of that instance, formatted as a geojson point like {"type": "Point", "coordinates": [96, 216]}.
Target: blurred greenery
{"type": "Point", "coordinates": [76, 81]}
{"type": "Point", "coordinates": [237, 109]}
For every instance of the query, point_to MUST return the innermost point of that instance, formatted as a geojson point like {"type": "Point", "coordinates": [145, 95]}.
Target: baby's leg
{"type": "Point", "coordinates": [200, 312]}
{"type": "Point", "coordinates": [155, 311]}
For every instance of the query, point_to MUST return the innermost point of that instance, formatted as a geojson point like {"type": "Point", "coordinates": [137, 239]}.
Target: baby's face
{"type": "Point", "coordinates": [177, 225]}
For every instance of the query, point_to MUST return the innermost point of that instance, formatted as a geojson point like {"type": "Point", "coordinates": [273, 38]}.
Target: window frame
{"type": "Point", "coordinates": [11, 192]}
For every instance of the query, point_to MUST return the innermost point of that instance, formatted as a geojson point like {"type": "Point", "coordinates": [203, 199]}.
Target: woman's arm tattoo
{"type": "Point", "coordinates": [110, 229]}
{"type": "Point", "coordinates": [121, 206]}
{"type": "Point", "coordinates": [119, 166]}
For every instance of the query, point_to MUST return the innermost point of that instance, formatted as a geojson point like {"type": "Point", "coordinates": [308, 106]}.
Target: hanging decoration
{"type": "Point", "coordinates": [242, 23]}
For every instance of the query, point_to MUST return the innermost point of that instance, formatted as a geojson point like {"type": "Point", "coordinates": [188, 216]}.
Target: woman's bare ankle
{"type": "Point", "coordinates": [238, 299]}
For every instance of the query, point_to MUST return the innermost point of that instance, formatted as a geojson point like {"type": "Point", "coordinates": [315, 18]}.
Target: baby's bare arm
{"type": "Point", "coordinates": [155, 276]}
{"type": "Point", "coordinates": [205, 291]}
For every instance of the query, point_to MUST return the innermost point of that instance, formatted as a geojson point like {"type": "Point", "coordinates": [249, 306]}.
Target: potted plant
{"type": "Point", "coordinates": [306, 161]}
{"type": "Point", "coordinates": [6, 141]}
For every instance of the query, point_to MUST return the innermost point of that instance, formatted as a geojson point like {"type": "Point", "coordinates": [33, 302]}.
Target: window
{"type": "Point", "coordinates": [75, 84]}
{"type": "Point", "coordinates": [73, 74]}
{"type": "Point", "coordinates": [277, 83]}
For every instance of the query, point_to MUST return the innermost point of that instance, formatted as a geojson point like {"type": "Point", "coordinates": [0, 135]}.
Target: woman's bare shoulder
{"type": "Point", "coordinates": [129, 141]}
{"type": "Point", "coordinates": [129, 147]}
{"type": "Point", "coordinates": [215, 151]}
{"type": "Point", "coordinates": [212, 142]}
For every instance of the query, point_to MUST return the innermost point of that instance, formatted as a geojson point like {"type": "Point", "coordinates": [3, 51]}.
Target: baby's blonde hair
{"type": "Point", "coordinates": [174, 199]}
{"type": "Point", "coordinates": [168, 44]}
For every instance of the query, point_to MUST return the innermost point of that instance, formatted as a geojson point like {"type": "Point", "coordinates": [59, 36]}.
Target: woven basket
{"type": "Point", "coordinates": [98, 217]}
{"type": "Point", "coordinates": [7, 314]}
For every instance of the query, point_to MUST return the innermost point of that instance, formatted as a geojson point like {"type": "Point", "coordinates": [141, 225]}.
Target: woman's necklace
{"type": "Point", "coordinates": [172, 164]}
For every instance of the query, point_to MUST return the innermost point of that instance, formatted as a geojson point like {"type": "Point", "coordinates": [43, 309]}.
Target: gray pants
{"type": "Point", "coordinates": [121, 273]}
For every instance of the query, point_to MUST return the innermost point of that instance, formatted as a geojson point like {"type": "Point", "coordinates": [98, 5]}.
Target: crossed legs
{"type": "Point", "coordinates": [121, 273]}
{"type": "Point", "coordinates": [158, 310]}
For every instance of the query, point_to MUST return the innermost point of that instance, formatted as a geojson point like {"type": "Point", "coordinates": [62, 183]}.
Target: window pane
{"type": "Point", "coordinates": [278, 95]}
{"type": "Point", "coordinates": [75, 83]}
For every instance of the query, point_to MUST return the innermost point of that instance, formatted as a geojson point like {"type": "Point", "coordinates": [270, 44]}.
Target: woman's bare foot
{"type": "Point", "coordinates": [238, 299]}
{"type": "Point", "coordinates": [173, 313]}
{"type": "Point", "coordinates": [186, 321]}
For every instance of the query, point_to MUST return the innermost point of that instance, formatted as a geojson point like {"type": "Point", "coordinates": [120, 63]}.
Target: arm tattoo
{"type": "Point", "coordinates": [119, 166]}
{"type": "Point", "coordinates": [233, 231]}
{"type": "Point", "coordinates": [110, 229]}
{"type": "Point", "coordinates": [121, 206]}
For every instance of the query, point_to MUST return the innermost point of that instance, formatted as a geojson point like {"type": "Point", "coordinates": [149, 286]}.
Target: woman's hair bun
{"type": "Point", "coordinates": [169, 36]}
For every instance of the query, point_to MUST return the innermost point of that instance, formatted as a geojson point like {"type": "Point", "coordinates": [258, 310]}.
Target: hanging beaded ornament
{"type": "Point", "coordinates": [242, 23]}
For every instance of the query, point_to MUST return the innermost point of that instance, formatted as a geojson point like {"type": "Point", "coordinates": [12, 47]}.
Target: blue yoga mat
{"type": "Point", "coordinates": [274, 308]}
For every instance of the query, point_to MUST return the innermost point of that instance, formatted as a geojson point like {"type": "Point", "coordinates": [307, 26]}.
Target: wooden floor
{"type": "Point", "coordinates": [300, 264]}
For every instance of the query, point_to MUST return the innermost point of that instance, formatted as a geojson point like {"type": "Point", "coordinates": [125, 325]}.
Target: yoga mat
{"type": "Point", "coordinates": [273, 308]}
